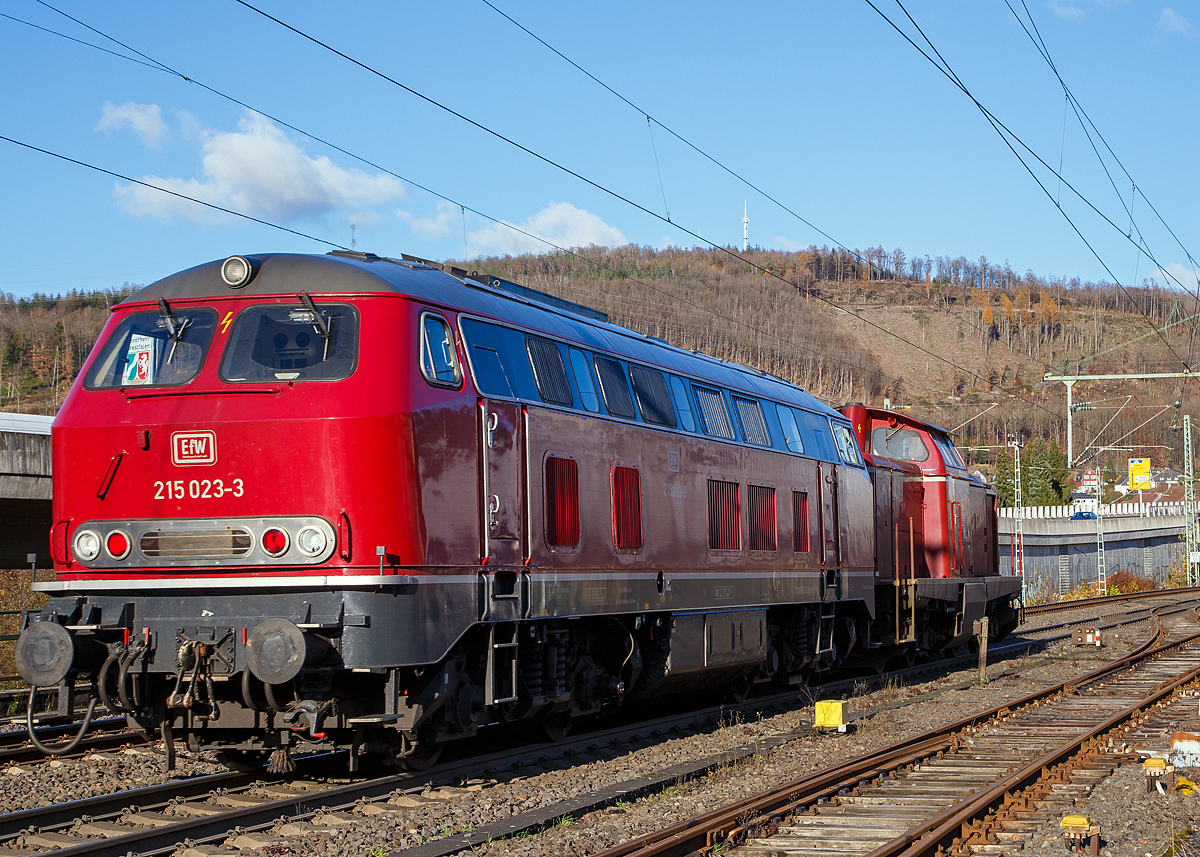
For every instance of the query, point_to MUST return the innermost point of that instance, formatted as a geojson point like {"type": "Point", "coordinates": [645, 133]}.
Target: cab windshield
{"type": "Point", "coordinates": [163, 348]}
{"type": "Point", "coordinates": [303, 341]}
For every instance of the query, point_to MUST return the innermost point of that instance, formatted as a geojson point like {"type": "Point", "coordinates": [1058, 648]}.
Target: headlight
{"type": "Point", "coordinates": [311, 541]}
{"type": "Point", "coordinates": [87, 545]}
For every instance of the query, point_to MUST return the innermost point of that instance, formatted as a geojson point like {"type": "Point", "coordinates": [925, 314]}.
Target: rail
{"type": "Point", "coordinates": [724, 823]}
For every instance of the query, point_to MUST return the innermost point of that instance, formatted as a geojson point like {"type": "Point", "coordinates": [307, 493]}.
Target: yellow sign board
{"type": "Point", "coordinates": [1139, 473]}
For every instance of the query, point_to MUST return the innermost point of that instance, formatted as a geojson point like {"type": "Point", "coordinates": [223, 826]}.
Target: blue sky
{"type": "Point", "coordinates": [821, 104]}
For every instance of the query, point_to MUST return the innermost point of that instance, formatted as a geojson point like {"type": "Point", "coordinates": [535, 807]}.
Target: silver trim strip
{"type": "Point", "coordinates": [332, 581]}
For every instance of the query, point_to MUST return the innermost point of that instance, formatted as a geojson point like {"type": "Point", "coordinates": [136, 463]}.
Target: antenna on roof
{"type": "Point", "coordinates": [353, 242]}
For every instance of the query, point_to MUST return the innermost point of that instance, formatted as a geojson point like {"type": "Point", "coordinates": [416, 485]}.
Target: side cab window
{"type": "Point", "coordinates": [439, 360]}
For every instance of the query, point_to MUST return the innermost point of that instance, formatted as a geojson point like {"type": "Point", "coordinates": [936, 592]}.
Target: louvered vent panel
{"type": "Point", "coordinates": [562, 502]}
{"type": "Point", "coordinates": [627, 508]}
{"type": "Point", "coordinates": [724, 516]}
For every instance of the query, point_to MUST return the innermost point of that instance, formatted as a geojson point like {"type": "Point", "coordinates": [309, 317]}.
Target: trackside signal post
{"type": "Point", "coordinates": [1189, 505]}
{"type": "Point", "coordinates": [1019, 519]}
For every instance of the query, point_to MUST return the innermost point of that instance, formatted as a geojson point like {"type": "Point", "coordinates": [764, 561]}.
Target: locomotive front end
{"type": "Point", "coordinates": [206, 514]}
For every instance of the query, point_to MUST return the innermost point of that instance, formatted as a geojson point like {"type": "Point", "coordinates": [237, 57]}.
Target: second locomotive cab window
{"type": "Point", "coordinates": [562, 502]}
{"type": "Point", "coordinates": [439, 362]}
{"type": "Point", "coordinates": [898, 443]}
{"type": "Point", "coordinates": [754, 427]}
{"type": "Point", "coordinates": [653, 397]}
{"type": "Point", "coordinates": [614, 388]}
{"type": "Point", "coordinates": [292, 342]}
{"type": "Point", "coordinates": [724, 516]}
{"type": "Point", "coordinates": [627, 508]}
{"type": "Point", "coordinates": [164, 348]}
{"type": "Point", "coordinates": [548, 371]}
{"type": "Point", "coordinates": [764, 534]}
{"type": "Point", "coordinates": [714, 417]}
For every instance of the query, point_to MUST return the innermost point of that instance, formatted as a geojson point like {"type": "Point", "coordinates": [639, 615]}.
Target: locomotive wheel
{"type": "Point", "coordinates": [424, 756]}
{"type": "Point", "coordinates": [243, 760]}
{"type": "Point", "coordinates": [556, 727]}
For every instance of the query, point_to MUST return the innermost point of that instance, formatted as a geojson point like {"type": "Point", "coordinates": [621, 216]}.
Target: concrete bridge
{"type": "Point", "coordinates": [25, 515]}
{"type": "Point", "coordinates": [1060, 554]}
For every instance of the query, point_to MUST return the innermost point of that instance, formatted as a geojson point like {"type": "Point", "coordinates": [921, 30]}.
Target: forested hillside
{"type": "Point", "coordinates": [964, 343]}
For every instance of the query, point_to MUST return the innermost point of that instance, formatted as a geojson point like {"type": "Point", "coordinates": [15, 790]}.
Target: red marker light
{"type": "Point", "coordinates": [117, 544]}
{"type": "Point", "coordinates": [274, 541]}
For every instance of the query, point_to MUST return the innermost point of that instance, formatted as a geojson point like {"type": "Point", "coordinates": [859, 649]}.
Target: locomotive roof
{"type": "Point", "coordinates": [289, 273]}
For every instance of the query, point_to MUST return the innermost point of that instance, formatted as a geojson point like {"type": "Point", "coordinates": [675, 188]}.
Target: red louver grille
{"type": "Point", "coordinates": [627, 508]}
{"type": "Point", "coordinates": [562, 502]}
{"type": "Point", "coordinates": [764, 535]}
{"type": "Point", "coordinates": [800, 543]}
{"type": "Point", "coordinates": [724, 516]}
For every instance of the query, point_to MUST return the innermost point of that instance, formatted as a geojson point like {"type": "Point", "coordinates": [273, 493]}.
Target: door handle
{"type": "Point", "coordinates": [494, 511]}
{"type": "Point", "coordinates": [493, 421]}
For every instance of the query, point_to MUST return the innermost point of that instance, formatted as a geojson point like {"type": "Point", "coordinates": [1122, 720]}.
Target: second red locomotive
{"type": "Point", "coordinates": [374, 504]}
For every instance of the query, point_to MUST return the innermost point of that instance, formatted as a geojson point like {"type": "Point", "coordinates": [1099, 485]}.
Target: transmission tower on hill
{"type": "Point", "coordinates": [745, 227]}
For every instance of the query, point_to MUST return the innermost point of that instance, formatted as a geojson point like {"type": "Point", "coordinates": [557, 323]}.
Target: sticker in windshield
{"type": "Point", "coordinates": [139, 365]}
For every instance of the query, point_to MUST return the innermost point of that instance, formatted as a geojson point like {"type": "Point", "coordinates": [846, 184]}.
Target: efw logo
{"type": "Point", "coordinates": [193, 447]}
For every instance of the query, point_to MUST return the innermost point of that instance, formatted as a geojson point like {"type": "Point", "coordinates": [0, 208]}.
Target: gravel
{"type": "Point", "coordinates": [886, 715]}
{"type": "Point", "coordinates": [43, 783]}
{"type": "Point", "coordinates": [889, 714]}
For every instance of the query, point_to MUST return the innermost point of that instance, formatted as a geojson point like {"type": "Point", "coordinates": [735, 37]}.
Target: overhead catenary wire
{"type": "Point", "coordinates": [1005, 134]}
{"type": "Point", "coordinates": [154, 63]}
{"type": "Point", "coordinates": [606, 190]}
{"type": "Point", "coordinates": [738, 176]}
{"type": "Point", "coordinates": [1082, 115]}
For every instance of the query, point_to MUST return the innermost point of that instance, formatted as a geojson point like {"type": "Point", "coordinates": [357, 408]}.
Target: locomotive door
{"type": "Point", "coordinates": [830, 526]}
{"type": "Point", "coordinates": [502, 462]}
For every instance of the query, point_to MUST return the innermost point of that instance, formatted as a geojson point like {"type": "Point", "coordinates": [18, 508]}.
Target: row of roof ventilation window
{"type": "Point", "coordinates": [601, 384]}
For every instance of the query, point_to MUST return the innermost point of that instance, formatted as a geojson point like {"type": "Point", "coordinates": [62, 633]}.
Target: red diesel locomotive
{"type": "Point", "coordinates": [374, 504]}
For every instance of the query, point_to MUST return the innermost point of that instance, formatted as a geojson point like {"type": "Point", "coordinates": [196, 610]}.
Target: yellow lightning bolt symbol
{"type": "Point", "coordinates": [225, 322]}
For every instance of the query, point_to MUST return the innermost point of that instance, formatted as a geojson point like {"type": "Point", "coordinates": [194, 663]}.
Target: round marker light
{"type": "Point", "coordinates": [274, 541]}
{"type": "Point", "coordinates": [312, 541]}
{"type": "Point", "coordinates": [236, 271]}
{"type": "Point", "coordinates": [117, 544]}
{"type": "Point", "coordinates": [87, 545]}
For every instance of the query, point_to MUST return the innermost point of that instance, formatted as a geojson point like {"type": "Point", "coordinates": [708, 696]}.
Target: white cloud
{"type": "Point", "coordinates": [559, 223]}
{"type": "Point", "coordinates": [1066, 11]}
{"type": "Point", "coordinates": [1186, 276]}
{"type": "Point", "coordinates": [1076, 10]}
{"type": "Point", "coordinates": [1171, 21]}
{"type": "Point", "coordinates": [145, 120]}
{"type": "Point", "coordinates": [258, 170]}
{"type": "Point", "coordinates": [438, 226]}
{"type": "Point", "coordinates": [786, 243]}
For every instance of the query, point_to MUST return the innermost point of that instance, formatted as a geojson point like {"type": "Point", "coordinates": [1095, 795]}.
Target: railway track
{"type": "Point", "coordinates": [969, 787]}
{"type": "Point", "coordinates": [205, 809]}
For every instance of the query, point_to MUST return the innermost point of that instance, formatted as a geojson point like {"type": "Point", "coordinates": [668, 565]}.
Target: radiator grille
{"type": "Point", "coordinates": [724, 516]}
{"type": "Point", "coordinates": [627, 508]}
{"type": "Point", "coordinates": [562, 502]}
{"type": "Point", "coordinates": [215, 543]}
{"type": "Point", "coordinates": [764, 535]}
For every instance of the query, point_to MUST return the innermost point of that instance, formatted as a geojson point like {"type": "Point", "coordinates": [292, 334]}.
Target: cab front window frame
{"type": "Point", "coordinates": [340, 350]}
{"type": "Point", "coordinates": [143, 344]}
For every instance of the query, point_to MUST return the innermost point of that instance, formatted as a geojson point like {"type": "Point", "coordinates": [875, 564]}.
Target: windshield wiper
{"type": "Point", "coordinates": [322, 327]}
{"type": "Point", "coordinates": [175, 328]}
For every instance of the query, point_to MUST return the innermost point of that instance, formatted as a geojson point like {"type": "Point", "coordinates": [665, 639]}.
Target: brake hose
{"type": "Point", "coordinates": [61, 748]}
